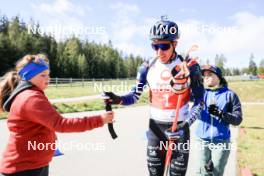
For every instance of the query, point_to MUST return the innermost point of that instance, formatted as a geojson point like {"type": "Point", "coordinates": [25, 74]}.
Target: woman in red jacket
{"type": "Point", "coordinates": [32, 118]}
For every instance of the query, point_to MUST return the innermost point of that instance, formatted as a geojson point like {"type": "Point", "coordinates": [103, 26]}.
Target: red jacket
{"type": "Point", "coordinates": [32, 118]}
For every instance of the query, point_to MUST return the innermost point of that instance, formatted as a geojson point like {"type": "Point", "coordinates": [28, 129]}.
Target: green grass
{"type": "Point", "coordinates": [68, 92]}
{"type": "Point", "coordinates": [3, 115]}
{"type": "Point", "coordinates": [88, 88]}
{"type": "Point", "coordinates": [248, 90]}
{"type": "Point", "coordinates": [251, 144]}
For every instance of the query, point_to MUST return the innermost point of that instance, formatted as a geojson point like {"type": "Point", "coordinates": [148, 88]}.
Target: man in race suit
{"type": "Point", "coordinates": [164, 93]}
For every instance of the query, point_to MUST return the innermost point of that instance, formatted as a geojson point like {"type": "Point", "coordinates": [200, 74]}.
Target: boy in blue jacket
{"type": "Point", "coordinates": [222, 108]}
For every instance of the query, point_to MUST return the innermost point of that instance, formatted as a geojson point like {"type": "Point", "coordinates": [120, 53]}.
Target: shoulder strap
{"type": "Point", "coordinates": [22, 85]}
{"type": "Point", "coordinates": [152, 62]}
{"type": "Point", "coordinates": [180, 57]}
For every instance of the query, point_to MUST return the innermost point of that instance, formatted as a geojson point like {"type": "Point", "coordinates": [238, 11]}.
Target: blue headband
{"type": "Point", "coordinates": [32, 69]}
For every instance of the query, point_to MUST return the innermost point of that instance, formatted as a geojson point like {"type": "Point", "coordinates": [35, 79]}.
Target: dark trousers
{"type": "Point", "coordinates": [156, 153]}
{"type": "Point", "coordinates": [43, 171]}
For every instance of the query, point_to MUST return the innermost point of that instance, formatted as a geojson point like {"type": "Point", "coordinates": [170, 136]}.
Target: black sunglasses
{"type": "Point", "coordinates": [162, 46]}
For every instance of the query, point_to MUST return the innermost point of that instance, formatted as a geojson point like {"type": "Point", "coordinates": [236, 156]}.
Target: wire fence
{"type": "Point", "coordinates": [243, 78]}
{"type": "Point", "coordinates": [81, 82]}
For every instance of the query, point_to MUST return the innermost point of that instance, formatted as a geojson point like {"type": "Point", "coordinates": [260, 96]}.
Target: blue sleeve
{"type": "Point", "coordinates": [133, 96]}
{"type": "Point", "coordinates": [195, 113]}
{"type": "Point", "coordinates": [197, 88]}
{"type": "Point", "coordinates": [235, 116]}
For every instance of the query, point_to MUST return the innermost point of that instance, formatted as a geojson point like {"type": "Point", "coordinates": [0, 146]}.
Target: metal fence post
{"type": "Point", "coordinates": [56, 80]}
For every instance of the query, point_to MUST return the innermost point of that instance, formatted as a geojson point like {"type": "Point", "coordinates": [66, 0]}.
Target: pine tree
{"type": "Point", "coordinates": [252, 68]}
{"type": "Point", "coordinates": [220, 61]}
{"type": "Point", "coordinates": [261, 67]}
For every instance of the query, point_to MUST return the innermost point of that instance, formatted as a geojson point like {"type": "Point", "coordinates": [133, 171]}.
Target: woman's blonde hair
{"type": "Point", "coordinates": [11, 79]}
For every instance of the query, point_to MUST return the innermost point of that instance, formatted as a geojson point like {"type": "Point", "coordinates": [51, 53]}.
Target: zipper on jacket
{"type": "Point", "coordinates": [212, 101]}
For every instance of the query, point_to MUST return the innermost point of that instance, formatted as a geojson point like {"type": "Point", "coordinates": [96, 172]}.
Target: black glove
{"type": "Point", "coordinates": [179, 133]}
{"type": "Point", "coordinates": [111, 97]}
{"type": "Point", "coordinates": [214, 110]}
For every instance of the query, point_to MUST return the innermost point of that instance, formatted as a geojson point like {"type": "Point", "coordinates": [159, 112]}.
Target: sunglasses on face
{"type": "Point", "coordinates": [162, 46]}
